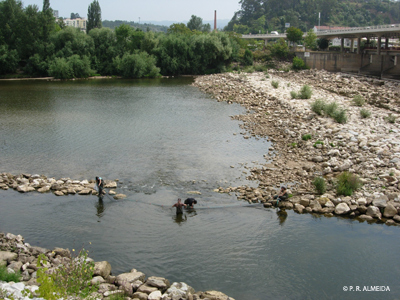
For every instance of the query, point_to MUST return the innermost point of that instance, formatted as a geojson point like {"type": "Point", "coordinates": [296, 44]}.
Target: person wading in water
{"type": "Point", "coordinates": [100, 186]}
{"type": "Point", "coordinates": [179, 206]}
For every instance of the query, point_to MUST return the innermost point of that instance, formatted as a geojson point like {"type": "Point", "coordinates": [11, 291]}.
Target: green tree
{"type": "Point", "coordinates": [179, 28]}
{"type": "Point", "coordinates": [310, 40]}
{"type": "Point", "coordinates": [294, 34]}
{"type": "Point", "coordinates": [8, 60]}
{"type": "Point", "coordinates": [105, 45]}
{"type": "Point", "coordinates": [323, 43]}
{"type": "Point", "coordinates": [94, 16]}
{"type": "Point", "coordinates": [195, 23]}
{"type": "Point", "coordinates": [137, 65]}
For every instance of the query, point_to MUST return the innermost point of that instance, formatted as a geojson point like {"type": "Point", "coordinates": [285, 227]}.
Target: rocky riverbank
{"type": "Point", "coordinates": [368, 147]}
{"type": "Point", "coordinates": [20, 256]}
{"type": "Point", "coordinates": [25, 183]}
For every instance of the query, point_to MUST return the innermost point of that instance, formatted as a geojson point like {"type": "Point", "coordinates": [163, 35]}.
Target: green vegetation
{"type": "Point", "coordinates": [275, 84]}
{"type": "Point", "coordinates": [340, 116]}
{"type": "Point", "coordinates": [305, 92]}
{"type": "Point", "coordinates": [134, 25]}
{"type": "Point", "coordinates": [310, 41]}
{"type": "Point", "coordinates": [71, 279]}
{"type": "Point", "coordinates": [347, 183]}
{"type": "Point", "coordinates": [331, 108]}
{"type": "Point", "coordinates": [358, 100]}
{"type": "Point", "coordinates": [293, 94]}
{"type": "Point", "coordinates": [364, 113]}
{"type": "Point", "coordinates": [391, 173]}
{"type": "Point", "coordinates": [247, 58]}
{"type": "Point", "coordinates": [391, 119]}
{"type": "Point", "coordinates": [318, 106]}
{"type": "Point", "coordinates": [7, 277]}
{"type": "Point", "coordinates": [320, 185]}
{"type": "Point", "coordinates": [293, 145]}
{"type": "Point", "coordinates": [294, 34]}
{"type": "Point", "coordinates": [32, 41]}
{"type": "Point", "coordinates": [260, 16]}
{"type": "Point", "coordinates": [318, 143]}
{"type": "Point", "coordinates": [306, 137]}
{"type": "Point", "coordinates": [298, 64]}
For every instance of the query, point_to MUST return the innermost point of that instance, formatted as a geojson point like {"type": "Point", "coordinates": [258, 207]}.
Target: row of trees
{"type": "Point", "coordinates": [266, 15]}
{"type": "Point", "coordinates": [32, 40]}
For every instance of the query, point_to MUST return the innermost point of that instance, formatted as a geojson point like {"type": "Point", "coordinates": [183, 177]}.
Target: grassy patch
{"type": "Point", "coordinates": [305, 92]}
{"type": "Point", "coordinates": [318, 143]}
{"type": "Point", "coordinates": [320, 185]}
{"type": "Point", "coordinates": [318, 106]}
{"type": "Point", "coordinates": [364, 113]}
{"type": "Point", "coordinates": [331, 108]}
{"type": "Point", "coordinates": [275, 84]}
{"type": "Point", "coordinates": [347, 183]}
{"type": "Point", "coordinates": [358, 100]}
{"type": "Point", "coordinates": [391, 119]}
{"type": "Point", "coordinates": [293, 94]}
{"type": "Point", "coordinates": [7, 277]}
{"type": "Point", "coordinates": [340, 116]}
{"type": "Point", "coordinates": [306, 137]}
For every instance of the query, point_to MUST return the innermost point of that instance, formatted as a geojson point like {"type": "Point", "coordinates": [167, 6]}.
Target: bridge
{"type": "Point", "coordinates": [379, 32]}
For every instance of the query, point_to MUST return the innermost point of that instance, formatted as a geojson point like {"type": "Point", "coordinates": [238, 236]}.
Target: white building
{"type": "Point", "coordinates": [77, 23]}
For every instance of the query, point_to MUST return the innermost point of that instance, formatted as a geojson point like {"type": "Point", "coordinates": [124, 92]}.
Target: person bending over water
{"type": "Point", "coordinates": [190, 202]}
{"type": "Point", "coordinates": [179, 206]}
{"type": "Point", "coordinates": [100, 186]}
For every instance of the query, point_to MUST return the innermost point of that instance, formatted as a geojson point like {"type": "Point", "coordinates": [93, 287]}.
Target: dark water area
{"type": "Point", "coordinates": [163, 138]}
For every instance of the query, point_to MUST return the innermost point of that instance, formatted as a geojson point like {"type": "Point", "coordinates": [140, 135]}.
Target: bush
{"type": "Point", "coordinates": [60, 68]}
{"type": "Point", "coordinates": [358, 100]}
{"type": "Point", "coordinates": [293, 94]}
{"type": "Point", "coordinates": [318, 106]}
{"type": "Point", "coordinates": [298, 64]}
{"type": "Point", "coordinates": [320, 185]}
{"type": "Point", "coordinates": [7, 277]}
{"type": "Point", "coordinates": [364, 113]}
{"type": "Point", "coordinates": [275, 84]}
{"type": "Point", "coordinates": [391, 119]}
{"type": "Point", "coordinates": [80, 66]}
{"type": "Point", "coordinates": [340, 116]}
{"type": "Point", "coordinates": [305, 92]}
{"type": "Point", "coordinates": [260, 68]}
{"type": "Point", "coordinates": [306, 137]}
{"type": "Point", "coordinates": [347, 183]}
{"type": "Point", "coordinates": [318, 143]}
{"type": "Point", "coordinates": [330, 109]}
{"type": "Point", "coordinates": [248, 58]}
{"type": "Point", "coordinates": [137, 65]}
{"type": "Point", "coordinates": [279, 49]}
{"type": "Point", "coordinates": [70, 279]}
{"type": "Point", "coordinates": [248, 69]}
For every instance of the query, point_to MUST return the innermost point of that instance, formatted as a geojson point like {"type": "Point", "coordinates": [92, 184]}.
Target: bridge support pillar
{"type": "Point", "coordinates": [386, 43]}
{"type": "Point", "coordinates": [358, 45]}
{"type": "Point", "coordinates": [379, 45]}
{"type": "Point", "coordinates": [265, 42]}
{"type": "Point", "coordinates": [352, 46]}
{"type": "Point", "coordinates": [342, 44]}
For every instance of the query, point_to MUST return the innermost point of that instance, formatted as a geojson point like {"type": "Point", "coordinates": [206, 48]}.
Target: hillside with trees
{"type": "Point", "coordinates": [135, 25]}
{"type": "Point", "coordinates": [260, 16]}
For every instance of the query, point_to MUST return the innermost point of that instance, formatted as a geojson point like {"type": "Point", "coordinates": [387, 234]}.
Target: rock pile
{"type": "Point", "coordinates": [25, 183]}
{"type": "Point", "coordinates": [367, 147]}
{"type": "Point", "coordinates": [20, 256]}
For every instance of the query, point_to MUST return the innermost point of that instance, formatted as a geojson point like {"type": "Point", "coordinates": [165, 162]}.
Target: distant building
{"type": "Point", "coordinates": [55, 14]}
{"type": "Point", "coordinates": [77, 23]}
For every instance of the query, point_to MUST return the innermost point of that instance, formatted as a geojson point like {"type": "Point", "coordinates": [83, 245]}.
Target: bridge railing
{"type": "Point", "coordinates": [353, 29]}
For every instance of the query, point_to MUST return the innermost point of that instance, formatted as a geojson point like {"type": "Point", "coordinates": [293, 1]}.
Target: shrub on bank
{"type": "Point", "coordinates": [7, 277]}
{"type": "Point", "coordinates": [305, 92]}
{"type": "Point", "coordinates": [358, 100]}
{"type": "Point", "coordinates": [347, 183]}
{"type": "Point", "coordinates": [320, 185]}
{"type": "Point", "coordinates": [306, 137]}
{"type": "Point", "coordinates": [318, 106]}
{"type": "Point", "coordinates": [340, 116]}
{"type": "Point", "coordinates": [364, 113]}
{"type": "Point", "coordinates": [331, 108]}
{"type": "Point", "coordinates": [298, 64]}
{"type": "Point", "coordinates": [275, 84]}
{"type": "Point", "coordinates": [293, 94]}
{"type": "Point", "coordinates": [391, 119]}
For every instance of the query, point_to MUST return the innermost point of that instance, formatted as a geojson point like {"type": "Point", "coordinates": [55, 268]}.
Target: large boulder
{"type": "Point", "coordinates": [315, 206]}
{"type": "Point", "coordinates": [365, 217]}
{"type": "Point", "coordinates": [380, 201]}
{"type": "Point", "coordinates": [361, 201]}
{"type": "Point", "coordinates": [156, 295]}
{"type": "Point", "coordinates": [130, 277]}
{"type": "Point", "coordinates": [15, 265]}
{"type": "Point", "coordinates": [215, 295]}
{"type": "Point", "coordinates": [144, 288]}
{"type": "Point", "coordinates": [8, 256]}
{"type": "Point", "coordinates": [390, 211]}
{"type": "Point", "coordinates": [178, 290]}
{"type": "Point", "coordinates": [25, 189]}
{"type": "Point", "coordinates": [305, 202]}
{"type": "Point", "coordinates": [102, 268]}
{"type": "Point", "coordinates": [323, 201]}
{"type": "Point", "coordinates": [329, 204]}
{"type": "Point", "coordinates": [342, 208]}
{"type": "Point", "coordinates": [298, 208]}
{"type": "Point", "coordinates": [140, 296]}
{"type": "Point", "coordinates": [158, 282]}
{"type": "Point", "coordinates": [374, 212]}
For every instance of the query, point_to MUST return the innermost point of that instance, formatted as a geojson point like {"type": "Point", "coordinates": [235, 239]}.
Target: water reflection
{"type": "Point", "coordinates": [282, 215]}
{"type": "Point", "coordinates": [100, 207]}
{"type": "Point", "coordinates": [179, 218]}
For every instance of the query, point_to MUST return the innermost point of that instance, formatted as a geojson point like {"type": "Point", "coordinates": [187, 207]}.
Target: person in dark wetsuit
{"type": "Point", "coordinates": [179, 206]}
{"type": "Point", "coordinates": [100, 185]}
{"type": "Point", "coordinates": [190, 202]}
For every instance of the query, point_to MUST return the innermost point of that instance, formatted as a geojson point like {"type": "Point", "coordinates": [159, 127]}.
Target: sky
{"type": "Point", "coordinates": [147, 10]}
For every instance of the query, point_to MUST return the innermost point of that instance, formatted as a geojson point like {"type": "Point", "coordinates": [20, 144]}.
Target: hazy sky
{"type": "Point", "coordinates": [147, 10]}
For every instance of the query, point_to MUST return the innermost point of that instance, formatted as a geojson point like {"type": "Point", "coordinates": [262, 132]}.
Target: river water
{"type": "Point", "coordinates": [163, 138]}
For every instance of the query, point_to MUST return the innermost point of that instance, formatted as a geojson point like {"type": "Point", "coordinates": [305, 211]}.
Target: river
{"type": "Point", "coordinates": [163, 138]}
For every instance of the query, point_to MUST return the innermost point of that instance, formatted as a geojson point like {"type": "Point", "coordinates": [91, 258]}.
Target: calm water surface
{"type": "Point", "coordinates": [163, 138]}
